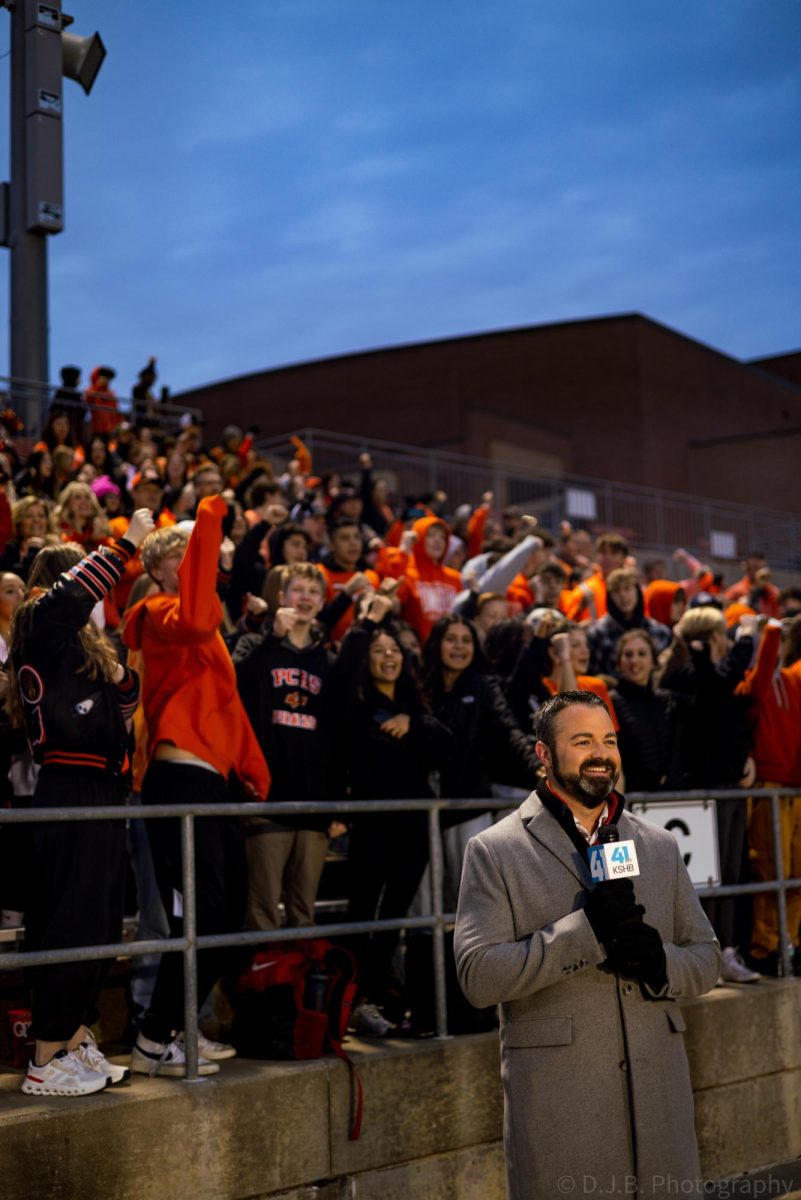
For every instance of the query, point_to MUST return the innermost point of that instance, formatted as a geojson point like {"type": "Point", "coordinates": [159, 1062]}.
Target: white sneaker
{"type": "Point", "coordinates": [65, 1075]}
{"type": "Point", "coordinates": [213, 1051]}
{"type": "Point", "coordinates": [90, 1054]}
{"type": "Point", "coordinates": [734, 970]}
{"type": "Point", "coordinates": [165, 1058]}
{"type": "Point", "coordinates": [369, 1022]}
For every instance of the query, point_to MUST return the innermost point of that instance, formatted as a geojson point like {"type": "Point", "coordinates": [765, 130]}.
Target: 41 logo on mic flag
{"type": "Point", "coordinates": [613, 860]}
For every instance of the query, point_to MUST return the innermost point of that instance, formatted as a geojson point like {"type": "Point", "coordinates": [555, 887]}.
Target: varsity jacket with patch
{"type": "Point", "coordinates": [73, 721]}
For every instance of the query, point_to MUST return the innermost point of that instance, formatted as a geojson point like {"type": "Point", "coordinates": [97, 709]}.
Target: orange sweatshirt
{"type": "Point", "coordinates": [776, 714]}
{"type": "Point", "coordinates": [519, 595]}
{"type": "Point", "coordinates": [190, 697]}
{"type": "Point", "coordinates": [475, 530]}
{"type": "Point", "coordinates": [587, 601]}
{"type": "Point", "coordinates": [429, 590]}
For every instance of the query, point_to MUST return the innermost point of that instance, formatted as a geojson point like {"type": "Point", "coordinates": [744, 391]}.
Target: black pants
{"type": "Point", "coordinates": [76, 899]}
{"type": "Point", "coordinates": [387, 857]}
{"type": "Point", "coordinates": [220, 883]}
{"type": "Point", "coordinates": [16, 853]}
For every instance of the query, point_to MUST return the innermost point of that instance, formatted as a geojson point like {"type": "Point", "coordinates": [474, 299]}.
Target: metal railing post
{"type": "Point", "coordinates": [785, 940]}
{"type": "Point", "coordinates": [190, 953]}
{"type": "Point", "coordinates": [438, 930]}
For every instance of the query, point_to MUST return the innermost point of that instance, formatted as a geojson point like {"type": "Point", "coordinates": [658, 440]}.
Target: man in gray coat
{"type": "Point", "coordinates": [596, 1082]}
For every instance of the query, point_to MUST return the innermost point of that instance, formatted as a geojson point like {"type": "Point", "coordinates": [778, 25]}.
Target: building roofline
{"type": "Point", "coordinates": [768, 358]}
{"type": "Point", "coordinates": [484, 335]}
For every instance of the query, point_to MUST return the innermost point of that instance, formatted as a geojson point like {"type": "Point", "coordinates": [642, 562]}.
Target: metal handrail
{"type": "Point", "coordinates": [656, 519]}
{"type": "Point", "coordinates": [438, 921]}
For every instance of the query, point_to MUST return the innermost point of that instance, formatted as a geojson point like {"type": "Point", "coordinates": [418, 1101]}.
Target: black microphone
{"type": "Point", "coordinates": [612, 901]}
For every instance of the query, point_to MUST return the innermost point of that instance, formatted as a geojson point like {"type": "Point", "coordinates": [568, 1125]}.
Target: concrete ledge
{"type": "Point", "coordinates": [251, 1130]}
{"type": "Point", "coordinates": [749, 1124]}
{"type": "Point", "coordinates": [735, 1033]}
{"type": "Point", "coordinates": [477, 1173]}
{"type": "Point", "coordinates": [432, 1119]}
{"type": "Point", "coordinates": [420, 1099]}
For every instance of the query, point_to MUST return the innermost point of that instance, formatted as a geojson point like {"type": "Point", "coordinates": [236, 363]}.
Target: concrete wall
{"type": "Point", "coordinates": [432, 1119]}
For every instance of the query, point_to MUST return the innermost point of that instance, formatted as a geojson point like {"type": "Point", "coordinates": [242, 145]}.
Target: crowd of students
{"type": "Point", "coordinates": [180, 622]}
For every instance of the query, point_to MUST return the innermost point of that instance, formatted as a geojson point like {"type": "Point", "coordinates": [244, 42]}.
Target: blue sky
{"type": "Point", "coordinates": [250, 185]}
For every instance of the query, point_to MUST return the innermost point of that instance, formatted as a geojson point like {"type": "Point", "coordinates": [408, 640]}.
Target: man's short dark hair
{"type": "Point", "coordinates": [555, 569]}
{"type": "Point", "coordinates": [545, 720]}
{"type": "Point", "coordinates": [261, 490]}
{"type": "Point", "coordinates": [345, 523]}
{"type": "Point", "coordinates": [790, 593]}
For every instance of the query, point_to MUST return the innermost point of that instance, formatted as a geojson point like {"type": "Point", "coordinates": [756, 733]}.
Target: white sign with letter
{"type": "Point", "coordinates": [694, 825]}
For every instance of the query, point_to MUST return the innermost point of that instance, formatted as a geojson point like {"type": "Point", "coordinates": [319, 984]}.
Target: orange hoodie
{"type": "Point", "coordinates": [429, 590]}
{"type": "Point", "coordinates": [588, 600]}
{"type": "Point", "coordinates": [734, 612]}
{"type": "Point", "coordinates": [189, 695]}
{"type": "Point", "coordinates": [776, 715]}
{"type": "Point", "coordinates": [659, 596]}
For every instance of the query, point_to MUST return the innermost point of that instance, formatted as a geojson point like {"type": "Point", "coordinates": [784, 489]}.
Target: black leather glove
{"type": "Point", "coordinates": [636, 952]}
{"type": "Point", "coordinates": [611, 904]}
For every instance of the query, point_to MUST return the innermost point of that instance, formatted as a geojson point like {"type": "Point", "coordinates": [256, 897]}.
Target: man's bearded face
{"type": "Point", "coordinates": [590, 782]}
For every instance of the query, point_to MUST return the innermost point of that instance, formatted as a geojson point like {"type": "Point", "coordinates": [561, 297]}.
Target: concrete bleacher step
{"type": "Point", "coordinates": [432, 1118]}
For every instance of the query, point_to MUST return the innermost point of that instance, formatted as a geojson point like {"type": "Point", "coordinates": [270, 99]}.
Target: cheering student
{"type": "Point", "coordinates": [198, 734]}
{"type": "Point", "coordinates": [76, 700]}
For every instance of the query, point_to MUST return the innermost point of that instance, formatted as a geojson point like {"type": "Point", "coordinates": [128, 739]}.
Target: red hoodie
{"type": "Point", "coordinates": [189, 693]}
{"type": "Point", "coordinates": [429, 590]}
{"type": "Point", "coordinates": [776, 715]}
{"type": "Point", "coordinates": [103, 405]}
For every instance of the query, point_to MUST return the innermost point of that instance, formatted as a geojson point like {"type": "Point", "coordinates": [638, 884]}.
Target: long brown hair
{"type": "Point", "coordinates": [100, 657]}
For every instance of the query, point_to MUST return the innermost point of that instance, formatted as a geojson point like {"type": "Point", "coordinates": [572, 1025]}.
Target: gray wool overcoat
{"type": "Point", "coordinates": [596, 1082]}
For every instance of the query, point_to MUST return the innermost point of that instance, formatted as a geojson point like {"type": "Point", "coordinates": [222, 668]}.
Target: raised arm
{"type": "Point", "coordinates": [199, 608]}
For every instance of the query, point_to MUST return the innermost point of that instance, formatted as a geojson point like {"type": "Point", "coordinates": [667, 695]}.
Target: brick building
{"type": "Point", "coordinates": [621, 398]}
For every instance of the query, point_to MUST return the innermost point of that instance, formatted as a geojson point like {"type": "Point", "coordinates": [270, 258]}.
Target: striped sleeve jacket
{"type": "Point", "coordinates": [74, 721]}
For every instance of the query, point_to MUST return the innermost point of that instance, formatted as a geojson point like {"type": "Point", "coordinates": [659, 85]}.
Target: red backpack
{"type": "Point", "coordinates": [293, 1002]}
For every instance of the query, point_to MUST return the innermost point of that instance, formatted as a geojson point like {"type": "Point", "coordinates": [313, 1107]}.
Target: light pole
{"type": "Point", "coordinates": [41, 55]}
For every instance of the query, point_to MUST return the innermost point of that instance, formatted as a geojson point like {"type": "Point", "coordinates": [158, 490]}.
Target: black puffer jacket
{"type": "Point", "coordinates": [491, 747]}
{"type": "Point", "coordinates": [374, 765]}
{"type": "Point", "coordinates": [712, 721]}
{"type": "Point", "coordinates": [648, 737]}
